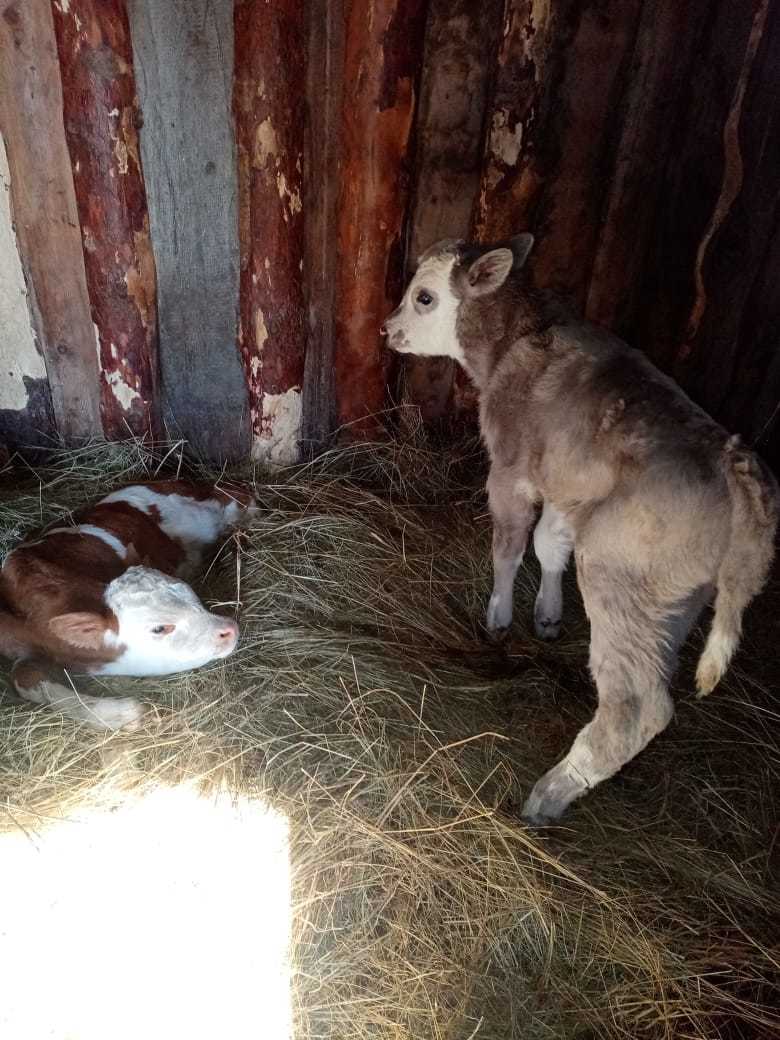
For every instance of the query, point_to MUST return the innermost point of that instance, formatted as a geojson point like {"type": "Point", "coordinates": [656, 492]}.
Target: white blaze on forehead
{"type": "Point", "coordinates": [143, 598]}
{"type": "Point", "coordinates": [430, 330]}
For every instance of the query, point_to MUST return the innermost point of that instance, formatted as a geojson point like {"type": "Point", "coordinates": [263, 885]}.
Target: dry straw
{"type": "Point", "coordinates": [365, 702]}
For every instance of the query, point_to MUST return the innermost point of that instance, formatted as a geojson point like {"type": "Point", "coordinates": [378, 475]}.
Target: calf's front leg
{"type": "Point", "coordinates": [33, 681]}
{"type": "Point", "coordinates": [512, 508]}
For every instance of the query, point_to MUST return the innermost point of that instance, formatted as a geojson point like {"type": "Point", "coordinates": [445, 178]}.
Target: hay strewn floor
{"type": "Point", "coordinates": [366, 704]}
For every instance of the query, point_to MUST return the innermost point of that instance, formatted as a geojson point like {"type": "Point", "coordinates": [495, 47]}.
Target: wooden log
{"type": "Point", "coordinates": [25, 401]}
{"type": "Point", "coordinates": [45, 216]}
{"type": "Point", "coordinates": [752, 407]}
{"type": "Point", "coordinates": [183, 55]}
{"type": "Point", "coordinates": [324, 91]}
{"type": "Point", "coordinates": [101, 119]}
{"type": "Point", "coordinates": [269, 105]}
{"type": "Point", "coordinates": [384, 42]}
{"type": "Point", "coordinates": [461, 42]}
{"type": "Point", "coordinates": [665, 46]}
{"type": "Point", "coordinates": [561, 73]}
{"type": "Point", "coordinates": [736, 238]}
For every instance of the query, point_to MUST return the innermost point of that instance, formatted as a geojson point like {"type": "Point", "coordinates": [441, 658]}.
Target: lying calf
{"type": "Point", "coordinates": [105, 596]}
{"type": "Point", "coordinates": [662, 508]}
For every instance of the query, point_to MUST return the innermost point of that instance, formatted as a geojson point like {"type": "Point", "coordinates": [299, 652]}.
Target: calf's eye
{"type": "Point", "coordinates": [163, 630]}
{"type": "Point", "coordinates": [424, 298]}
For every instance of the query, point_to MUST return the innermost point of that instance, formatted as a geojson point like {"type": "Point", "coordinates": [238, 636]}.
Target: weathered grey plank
{"type": "Point", "coordinates": [183, 53]}
{"type": "Point", "coordinates": [46, 221]}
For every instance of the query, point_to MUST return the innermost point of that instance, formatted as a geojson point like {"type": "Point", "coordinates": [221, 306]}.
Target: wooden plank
{"type": "Point", "coordinates": [183, 56]}
{"type": "Point", "coordinates": [384, 42]}
{"type": "Point", "coordinates": [461, 43]}
{"type": "Point", "coordinates": [752, 407]}
{"type": "Point", "coordinates": [703, 160]}
{"type": "Point", "coordinates": [324, 91]}
{"type": "Point", "coordinates": [735, 240]}
{"type": "Point", "coordinates": [101, 119]}
{"type": "Point", "coordinates": [25, 401]}
{"type": "Point", "coordinates": [45, 215]}
{"type": "Point", "coordinates": [665, 46]}
{"type": "Point", "coordinates": [269, 103]}
{"type": "Point", "coordinates": [561, 73]}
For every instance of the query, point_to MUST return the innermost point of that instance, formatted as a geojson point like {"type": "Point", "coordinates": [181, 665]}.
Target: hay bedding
{"type": "Point", "coordinates": [366, 704]}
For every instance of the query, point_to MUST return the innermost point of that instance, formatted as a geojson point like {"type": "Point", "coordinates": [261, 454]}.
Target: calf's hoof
{"type": "Point", "coordinates": [552, 795]}
{"type": "Point", "coordinates": [498, 619]}
{"type": "Point", "coordinates": [546, 626]}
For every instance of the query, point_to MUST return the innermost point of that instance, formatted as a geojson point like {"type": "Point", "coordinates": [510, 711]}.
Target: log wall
{"type": "Point", "coordinates": [207, 206]}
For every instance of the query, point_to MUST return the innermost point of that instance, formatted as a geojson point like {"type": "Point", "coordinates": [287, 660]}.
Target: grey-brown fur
{"type": "Point", "coordinates": [663, 508]}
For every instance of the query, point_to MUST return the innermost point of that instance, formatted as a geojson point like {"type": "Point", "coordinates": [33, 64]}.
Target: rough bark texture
{"type": "Point", "coordinates": [101, 127]}
{"type": "Point", "coordinates": [669, 32]}
{"type": "Point", "coordinates": [324, 92]}
{"type": "Point", "coordinates": [183, 55]}
{"type": "Point", "coordinates": [45, 217]}
{"type": "Point", "coordinates": [559, 83]}
{"type": "Point", "coordinates": [461, 42]}
{"type": "Point", "coordinates": [384, 43]}
{"type": "Point", "coordinates": [269, 110]}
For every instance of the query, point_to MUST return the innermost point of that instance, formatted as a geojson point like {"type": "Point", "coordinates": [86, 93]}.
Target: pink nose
{"type": "Point", "coordinates": [383, 329]}
{"type": "Point", "coordinates": [228, 633]}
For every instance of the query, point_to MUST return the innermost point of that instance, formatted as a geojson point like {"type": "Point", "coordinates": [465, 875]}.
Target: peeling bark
{"type": "Point", "coordinates": [559, 83]}
{"type": "Point", "coordinates": [269, 104]}
{"type": "Point", "coordinates": [384, 42]}
{"type": "Point", "coordinates": [101, 120]}
{"type": "Point", "coordinates": [324, 89]}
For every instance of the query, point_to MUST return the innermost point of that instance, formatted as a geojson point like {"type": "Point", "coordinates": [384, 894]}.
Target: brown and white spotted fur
{"type": "Point", "coordinates": [106, 595]}
{"type": "Point", "coordinates": [662, 508]}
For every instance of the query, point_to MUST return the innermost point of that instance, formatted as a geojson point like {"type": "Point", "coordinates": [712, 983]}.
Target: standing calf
{"type": "Point", "coordinates": [661, 507]}
{"type": "Point", "coordinates": [105, 596]}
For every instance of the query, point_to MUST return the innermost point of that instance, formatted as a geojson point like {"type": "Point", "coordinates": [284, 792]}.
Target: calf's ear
{"type": "Point", "coordinates": [81, 628]}
{"type": "Point", "coordinates": [521, 247]}
{"type": "Point", "coordinates": [489, 272]}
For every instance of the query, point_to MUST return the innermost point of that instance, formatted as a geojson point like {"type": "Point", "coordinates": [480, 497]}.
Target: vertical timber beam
{"type": "Point", "coordinates": [384, 45]}
{"type": "Point", "coordinates": [269, 102]}
{"type": "Point", "coordinates": [461, 42]}
{"type": "Point", "coordinates": [45, 214]}
{"type": "Point", "coordinates": [561, 76]}
{"type": "Point", "coordinates": [101, 119]}
{"type": "Point", "coordinates": [183, 56]}
{"type": "Point", "coordinates": [25, 401]}
{"type": "Point", "coordinates": [664, 50]}
{"type": "Point", "coordinates": [324, 91]}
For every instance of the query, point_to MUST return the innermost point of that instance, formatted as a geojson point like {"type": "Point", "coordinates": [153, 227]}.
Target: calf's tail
{"type": "Point", "coordinates": [755, 503]}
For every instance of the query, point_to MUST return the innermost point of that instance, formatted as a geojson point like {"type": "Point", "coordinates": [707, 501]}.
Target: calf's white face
{"type": "Point", "coordinates": [163, 626]}
{"type": "Point", "coordinates": [425, 321]}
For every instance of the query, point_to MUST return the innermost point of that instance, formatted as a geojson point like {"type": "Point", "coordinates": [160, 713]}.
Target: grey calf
{"type": "Point", "coordinates": [662, 508]}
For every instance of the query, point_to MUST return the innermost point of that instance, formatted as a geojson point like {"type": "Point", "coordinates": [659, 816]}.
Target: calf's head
{"type": "Point", "coordinates": [448, 275]}
{"type": "Point", "coordinates": [156, 625]}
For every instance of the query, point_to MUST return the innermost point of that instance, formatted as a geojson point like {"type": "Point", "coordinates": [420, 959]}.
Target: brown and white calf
{"type": "Point", "coordinates": [107, 596]}
{"type": "Point", "coordinates": [662, 508]}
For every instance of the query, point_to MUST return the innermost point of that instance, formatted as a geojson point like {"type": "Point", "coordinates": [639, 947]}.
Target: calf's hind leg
{"type": "Point", "coordinates": [33, 681]}
{"type": "Point", "coordinates": [553, 542]}
{"type": "Point", "coordinates": [633, 652]}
